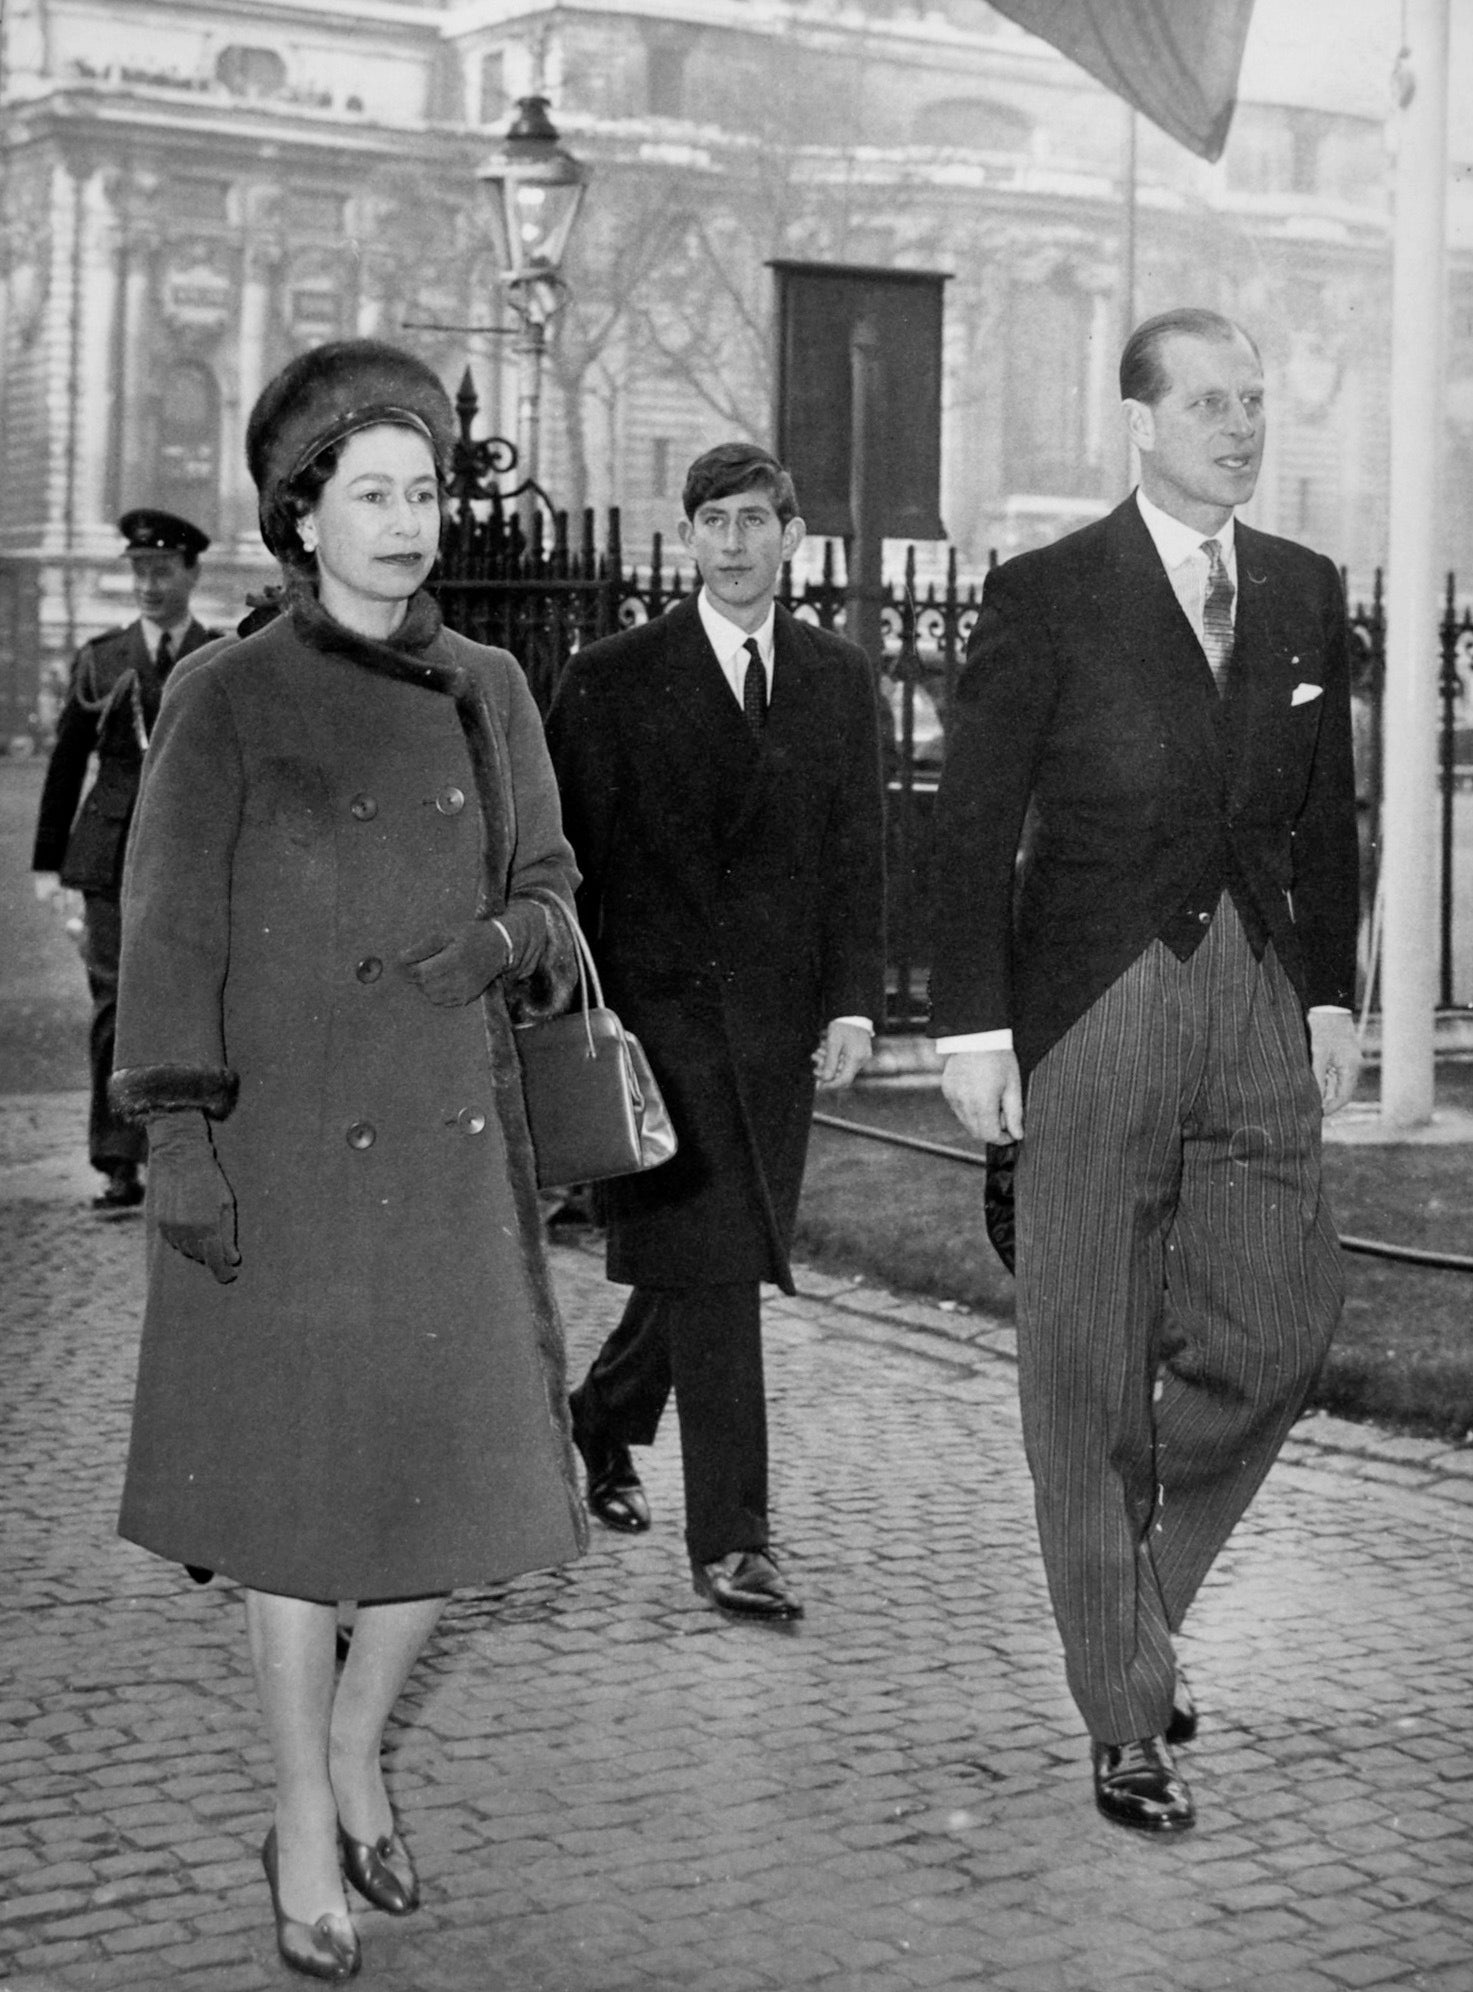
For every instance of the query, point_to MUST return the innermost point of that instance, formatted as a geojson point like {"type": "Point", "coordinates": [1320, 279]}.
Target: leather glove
{"type": "Point", "coordinates": [189, 1198]}
{"type": "Point", "coordinates": [457, 971]}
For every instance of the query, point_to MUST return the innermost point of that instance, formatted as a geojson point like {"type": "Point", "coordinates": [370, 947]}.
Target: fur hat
{"type": "Point", "coordinates": [326, 394]}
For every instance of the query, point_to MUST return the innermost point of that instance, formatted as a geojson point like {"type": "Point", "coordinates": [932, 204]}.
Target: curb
{"type": "Point", "coordinates": [1441, 1467]}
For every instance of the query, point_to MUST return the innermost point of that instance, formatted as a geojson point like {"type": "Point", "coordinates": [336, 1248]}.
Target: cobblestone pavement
{"type": "Point", "coordinates": [610, 1789]}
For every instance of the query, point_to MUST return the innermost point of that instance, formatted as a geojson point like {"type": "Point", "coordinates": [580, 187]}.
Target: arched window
{"type": "Point", "coordinates": [495, 102]}
{"type": "Point", "coordinates": [188, 479]}
{"type": "Point", "coordinates": [668, 47]}
{"type": "Point", "coordinates": [251, 72]}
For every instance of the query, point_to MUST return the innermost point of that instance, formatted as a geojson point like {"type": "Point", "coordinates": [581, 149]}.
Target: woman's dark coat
{"type": "Point", "coordinates": [375, 1407]}
{"type": "Point", "coordinates": [734, 895]}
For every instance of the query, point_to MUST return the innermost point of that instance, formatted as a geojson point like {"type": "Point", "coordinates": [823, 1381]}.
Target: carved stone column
{"type": "Point", "coordinates": [137, 389]}
{"type": "Point", "coordinates": [97, 385]}
{"type": "Point", "coordinates": [260, 262]}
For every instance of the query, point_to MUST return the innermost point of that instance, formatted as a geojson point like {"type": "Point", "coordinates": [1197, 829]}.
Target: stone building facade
{"type": "Point", "coordinates": [192, 190]}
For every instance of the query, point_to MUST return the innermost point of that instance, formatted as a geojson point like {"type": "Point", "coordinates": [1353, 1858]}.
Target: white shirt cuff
{"type": "Point", "coordinates": [859, 1023]}
{"type": "Point", "coordinates": [1001, 1040]}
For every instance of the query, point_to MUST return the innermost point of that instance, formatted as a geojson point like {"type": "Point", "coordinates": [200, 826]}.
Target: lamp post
{"type": "Point", "coordinates": [536, 188]}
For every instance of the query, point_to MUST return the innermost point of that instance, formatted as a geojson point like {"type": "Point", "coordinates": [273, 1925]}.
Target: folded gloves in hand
{"type": "Point", "coordinates": [464, 967]}
{"type": "Point", "coordinates": [189, 1198]}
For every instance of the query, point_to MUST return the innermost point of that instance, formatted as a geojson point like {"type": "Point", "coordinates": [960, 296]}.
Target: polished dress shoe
{"type": "Point", "coordinates": [1182, 1727]}
{"type": "Point", "coordinates": [123, 1192]}
{"type": "Point", "coordinates": [328, 1948]}
{"type": "Point", "coordinates": [366, 1864]}
{"type": "Point", "coordinates": [747, 1584]}
{"type": "Point", "coordinates": [1138, 1785]}
{"type": "Point", "coordinates": [616, 1496]}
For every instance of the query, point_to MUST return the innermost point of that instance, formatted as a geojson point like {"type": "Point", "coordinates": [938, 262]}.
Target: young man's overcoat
{"type": "Point", "coordinates": [733, 892]}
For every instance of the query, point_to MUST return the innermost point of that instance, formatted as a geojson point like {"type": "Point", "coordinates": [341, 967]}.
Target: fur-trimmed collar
{"type": "Point", "coordinates": [402, 655]}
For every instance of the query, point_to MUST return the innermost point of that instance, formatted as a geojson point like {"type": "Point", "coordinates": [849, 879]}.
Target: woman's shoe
{"type": "Point", "coordinates": [366, 1864]}
{"type": "Point", "coordinates": [317, 1950]}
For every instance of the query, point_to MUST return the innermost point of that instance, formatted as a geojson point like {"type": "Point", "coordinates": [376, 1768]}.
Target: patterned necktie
{"type": "Point", "coordinates": [754, 687]}
{"type": "Point", "coordinates": [1217, 614]}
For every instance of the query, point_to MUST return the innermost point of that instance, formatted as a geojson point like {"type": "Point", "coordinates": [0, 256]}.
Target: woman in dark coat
{"type": "Point", "coordinates": [351, 1380]}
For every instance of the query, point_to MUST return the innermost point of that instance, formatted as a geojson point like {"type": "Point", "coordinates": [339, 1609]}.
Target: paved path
{"type": "Point", "coordinates": [609, 1789]}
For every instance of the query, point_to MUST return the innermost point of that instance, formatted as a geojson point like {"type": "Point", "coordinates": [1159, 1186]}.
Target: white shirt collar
{"type": "Point", "coordinates": [152, 632]}
{"type": "Point", "coordinates": [1176, 543]}
{"type": "Point", "coordinates": [728, 640]}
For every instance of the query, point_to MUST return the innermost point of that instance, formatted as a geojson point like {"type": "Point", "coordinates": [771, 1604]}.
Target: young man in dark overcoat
{"type": "Point", "coordinates": [720, 777]}
{"type": "Point", "coordinates": [112, 701]}
{"type": "Point", "coordinates": [1163, 698]}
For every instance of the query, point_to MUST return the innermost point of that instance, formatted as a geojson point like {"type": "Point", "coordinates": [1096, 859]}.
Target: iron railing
{"type": "Point", "coordinates": [543, 590]}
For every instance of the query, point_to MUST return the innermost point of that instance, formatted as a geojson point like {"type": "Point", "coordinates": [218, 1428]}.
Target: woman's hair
{"type": "Point", "coordinates": [292, 504]}
{"type": "Point", "coordinates": [296, 499]}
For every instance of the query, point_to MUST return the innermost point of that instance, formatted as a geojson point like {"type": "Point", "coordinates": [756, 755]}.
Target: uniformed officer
{"type": "Point", "coordinates": [111, 703]}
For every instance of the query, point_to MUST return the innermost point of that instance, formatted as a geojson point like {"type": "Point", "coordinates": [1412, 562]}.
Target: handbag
{"type": "Point", "coordinates": [593, 1107]}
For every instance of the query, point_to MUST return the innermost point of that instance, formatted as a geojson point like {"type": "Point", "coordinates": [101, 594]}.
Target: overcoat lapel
{"type": "Point", "coordinates": [194, 637]}
{"type": "Point", "coordinates": [697, 704]}
{"type": "Point", "coordinates": [1260, 680]}
{"type": "Point", "coordinates": [697, 746]}
{"type": "Point", "coordinates": [791, 718]}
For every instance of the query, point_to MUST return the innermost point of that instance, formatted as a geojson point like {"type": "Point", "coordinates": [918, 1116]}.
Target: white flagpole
{"type": "Point", "coordinates": [1409, 820]}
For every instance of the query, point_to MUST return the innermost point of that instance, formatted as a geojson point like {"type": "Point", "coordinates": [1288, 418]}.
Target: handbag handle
{"type": "Point", "coordinates": [587, 966]}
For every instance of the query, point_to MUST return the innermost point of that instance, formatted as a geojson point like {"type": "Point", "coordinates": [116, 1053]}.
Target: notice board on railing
{"type": "Point", "coordinates": [819, 307]}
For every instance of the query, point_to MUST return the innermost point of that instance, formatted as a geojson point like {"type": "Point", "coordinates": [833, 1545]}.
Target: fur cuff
{"type": "Point", "coordinates": [144, 1090]}
{"type": "Point", "coordinates": [554, 977]}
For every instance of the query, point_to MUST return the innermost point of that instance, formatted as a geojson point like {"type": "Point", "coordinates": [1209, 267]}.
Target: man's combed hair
{"type": "Point", "coordinates": [1143, 376]}
{"type": "Point", "coordinates": [734, 467]}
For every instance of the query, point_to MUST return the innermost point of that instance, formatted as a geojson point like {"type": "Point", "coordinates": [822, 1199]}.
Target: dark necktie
{"type": "Point", "coordinates": [150, 686]}
{"type": "Point", "coordinates": [754, 687]}
{"type": "Point", "coordinates": [1217, 614]}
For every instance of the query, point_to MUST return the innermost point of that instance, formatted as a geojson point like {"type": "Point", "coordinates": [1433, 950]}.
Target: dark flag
{"type": "Point", "coordinates": [1175, 60]}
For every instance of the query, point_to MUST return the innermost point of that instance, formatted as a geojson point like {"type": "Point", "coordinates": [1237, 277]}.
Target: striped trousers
{"type": "Point", "coordinates": [1178, 1285]}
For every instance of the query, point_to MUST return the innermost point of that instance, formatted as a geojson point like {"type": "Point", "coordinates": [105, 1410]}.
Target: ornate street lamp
{"type": "Point", "coordinates": [535, 190]}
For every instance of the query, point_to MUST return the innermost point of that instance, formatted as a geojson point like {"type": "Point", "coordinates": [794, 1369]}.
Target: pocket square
{"type": "Point", "coordinates": [1302, 694]}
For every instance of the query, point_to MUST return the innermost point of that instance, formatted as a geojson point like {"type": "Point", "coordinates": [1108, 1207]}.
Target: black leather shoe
{"type": "Point", "coordinates": [366, 1864]}
{"type": "Point", "coordinates": [616, 1496]}
{"type": "Point", "coordinates": [317, 1950]}
{"type": "Point", "coordinates": [747, 1584]}
{"type": "Point", "coordinates": [1138, 1785]}
{"type": "Point", "coordinates": [123, 1192]}
{"type": "Point", "coordinates": [1182, 1727]}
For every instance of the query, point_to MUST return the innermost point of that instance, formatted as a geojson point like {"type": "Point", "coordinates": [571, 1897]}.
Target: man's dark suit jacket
{"type": "Point", "coordinates": [733, 894]}
{"type": "Point", "coordinates": [111, 704]}
{"type": "Point", "coordinates": [1087, 713]}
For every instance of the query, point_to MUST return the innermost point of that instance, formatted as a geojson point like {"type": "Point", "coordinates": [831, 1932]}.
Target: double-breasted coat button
{"type": "Point", "coordinates": [369, 969]}
{"type": "Point", "coordinates": [362, 1134]}
{"type": "Point", "coordinates": [364, 808]}
{"type": "Point", "coordinates": [450, 801]}
{"type": "Point", "coordinates": [471, 1120]}
{"type": "Point", "coordinates": [1204, 918]}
